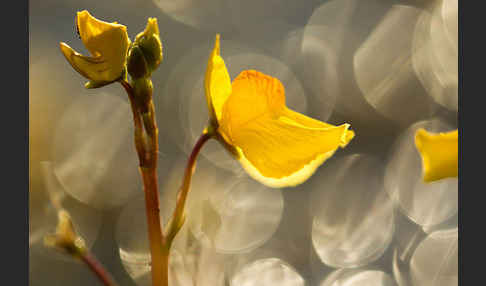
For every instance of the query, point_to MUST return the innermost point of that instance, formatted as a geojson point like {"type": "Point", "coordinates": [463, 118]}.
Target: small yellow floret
{"type": "Point", "coordinates": [108, 44]}
{"type": "Point", "coordinates": [439, 154]}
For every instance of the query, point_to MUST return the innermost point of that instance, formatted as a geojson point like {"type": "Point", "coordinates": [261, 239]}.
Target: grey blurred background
{"type": "Point", "coordinates": [385, 67]}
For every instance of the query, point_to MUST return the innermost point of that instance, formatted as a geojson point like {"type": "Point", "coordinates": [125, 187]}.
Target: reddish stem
{"type": "Point", "coordinates": [91, 261]}
{"type": "Point", "coordinates": [177, 217]}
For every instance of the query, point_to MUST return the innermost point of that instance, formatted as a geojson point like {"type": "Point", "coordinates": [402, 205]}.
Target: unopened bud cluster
{"type": "Point", "coordinates": [145, 55]}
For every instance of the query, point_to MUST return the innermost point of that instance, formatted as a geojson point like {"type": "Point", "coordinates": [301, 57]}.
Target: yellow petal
{"type": "Point", "coordinates": [439, 154]}
{"type": "Point", "coordinates": [308, 122]}
{"type": "Point", "coordinates": [217, 83]}
{"type": "Point", "coordinates": [107, 42]}
{"type": "Point", "coordinates": [152, 29]}
{"type": "Point", "coordinates": [89, 67]}
{"type": "Point", "coordinates": [276, 146]}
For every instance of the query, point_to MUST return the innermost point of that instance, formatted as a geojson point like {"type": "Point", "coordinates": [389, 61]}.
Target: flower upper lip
{"type": "Point", "coordinates": [108, 44]}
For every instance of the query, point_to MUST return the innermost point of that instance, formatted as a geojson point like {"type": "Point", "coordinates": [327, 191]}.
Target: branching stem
{"type": "Point", "coordinates": [147, 145]}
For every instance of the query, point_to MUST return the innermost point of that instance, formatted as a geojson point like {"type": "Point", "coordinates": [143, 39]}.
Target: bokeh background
{"type": "Point", "coordinates": [364, 218]}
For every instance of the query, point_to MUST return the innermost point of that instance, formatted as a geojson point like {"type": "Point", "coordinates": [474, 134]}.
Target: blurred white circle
{"type": "Point", "coordinates": [315, 62]}
{"type": "Point", "coordinates": [43, 216]}
{"type": "Point", "coordinates": [435, 261]}
{"type": "Point", "coordinates": [239, 217]}
{"type": "Point", "coordinates": [189, 260]}
{"type": "Point", "coordinates": [427, 204]}
{"type": "Point", "coordinates": [94, 154]}
{"type": "Point", "coordinates": [435, 53]}
{"type": "Point", "coordinates": [131, 235]}
{"type": "Point", "coordinates": [269, 271]}
{"type": "Point", "coordinates": [383, 68]}
{"type": "Point", "coordinates": [358, 277]}
{"type": "Point", "coordinates": [209, 15]}
{"type": "Point", "coordinates": [353, 221]}
{"type": "Point", "coordinates": [449, 15]}
{"type": "Point", "coordinates": [233, 15]}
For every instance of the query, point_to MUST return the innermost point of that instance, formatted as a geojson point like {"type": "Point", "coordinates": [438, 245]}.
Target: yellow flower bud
{"type": "Point", "coordinates": [149, 43]}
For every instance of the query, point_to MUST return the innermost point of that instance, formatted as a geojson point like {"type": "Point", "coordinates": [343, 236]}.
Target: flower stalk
{"type": "Point", "coordinates": [146, 143]}
{"type": "Point", "coordinates": [178, 215]}
{"type": "Point", "coordinates": [94, 265]}
{"type": "Point", "coordinates": [68, 241]}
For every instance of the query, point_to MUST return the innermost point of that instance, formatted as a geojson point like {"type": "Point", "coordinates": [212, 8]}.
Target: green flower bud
{"type": "Point", "coordinates": [142, 88]}
{"type": "Point", "coordinates": [137, 64]}
{"type": "Point", "coordinates": [149, 42]}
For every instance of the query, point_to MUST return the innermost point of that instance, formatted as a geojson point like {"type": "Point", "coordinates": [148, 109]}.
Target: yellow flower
{"type": "Point", "coordinates": [275, 145]}
{"type": "Point", "coordinates": [108, 44]}
{"type": "Point", "coordinates": [439, 154]}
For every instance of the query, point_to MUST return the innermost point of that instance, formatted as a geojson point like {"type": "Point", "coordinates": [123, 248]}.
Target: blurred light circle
{"type": "Point", "coordinates": [94, 154]}
{"type": "Point", "coordinates": [185, 102]}
{"type": "Point", "coordinates": [332, 35]}
{"type": "Point", "coordinates": [345, 21]}
{"type": "Point", "coordinates": [209, 15]}
{"type": "Point", "coordinates": [315, 62]}
{"type": "Point", "coordinates": [269, 271]}
{"type": "Point", "coordinates": [132, 239]}
{"type": "Point", "coordinates": [226, 212]}
{"type": "Point", "coordinates": [335, 17]}
{"type": "Point", "coordinates": [427, 204]}
{"type": "Point", "coordinates": [239, 217]}
{"type": "Point", "coordinates": [256, 11]}
{"type": "Point", "coordinates": [449, 14]}
{"type": "Point", "coordinates": [43, 216]}
{"type": "Point", "coordinates": [353, 221]}
{"type": "Point", "coordinates": [383, 68]}
{"type": "Point", "coordinates": [435, 54]}
{"type": "Point", "coordinates": [407, 237]}
{"type": "Point", "coordinates": [435, 261]}
{"type": "Point", "coordinates": [358, 277]}
{"type": "Point", "coordinates": [233, 15]}
{"type": "Point", "coordinates": [131, 235]}
{"type": "Point", "coordinates": [189, 259]}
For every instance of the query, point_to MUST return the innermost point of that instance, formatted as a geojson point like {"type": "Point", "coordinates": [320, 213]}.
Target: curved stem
{"type": "Point", "coordinates": [95, 266]}
{"type": "Point", "coordinates": [178, 215]}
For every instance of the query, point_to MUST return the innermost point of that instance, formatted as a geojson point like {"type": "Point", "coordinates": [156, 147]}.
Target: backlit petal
{"type": "Point", "coordinates": [277, 146]}
{"type": "Point", "coordinates": [107, 43]}
{"type": "Point", "coordinates": [89, 67]}
{"type": "Point", "coordinates": [439, 154]}
{"type": "Point", "coordinates": [217, 83]}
